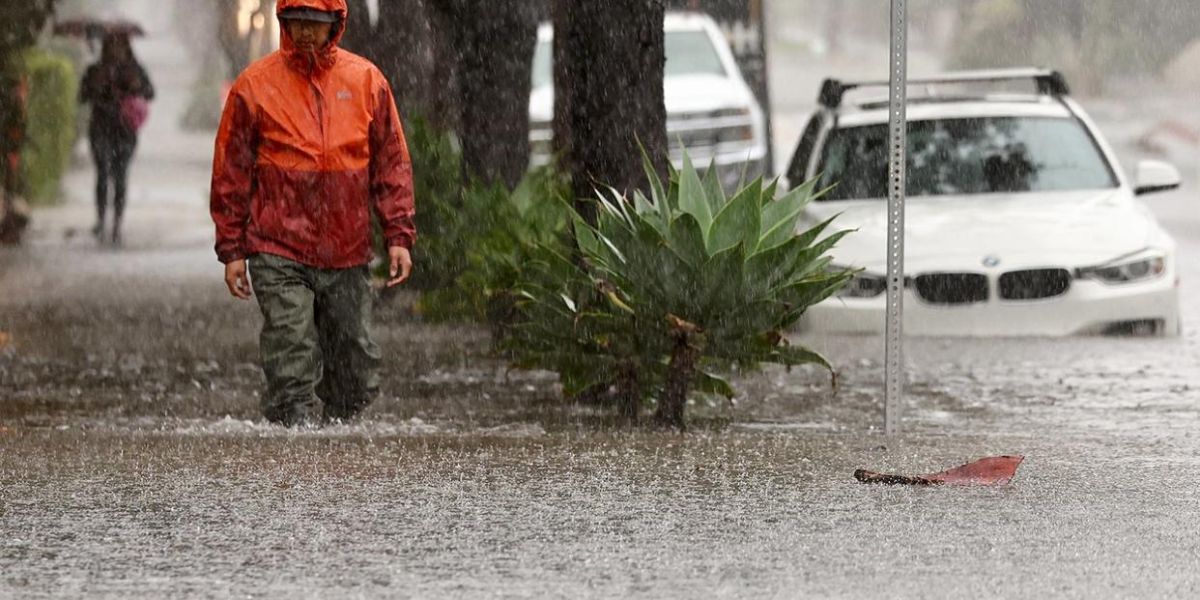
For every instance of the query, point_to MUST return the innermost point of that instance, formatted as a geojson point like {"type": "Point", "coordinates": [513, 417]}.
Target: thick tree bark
{"type": "Point", "coordinates": [608, 85]}
{"type": "Point", "coordinates": [360, 37]}
{"type": "Point", "coordinates": [402, 46]}
{"type": "Point", "coordinates": [496, 41]}
{"type": "Point", "coordinates": [465, 67]}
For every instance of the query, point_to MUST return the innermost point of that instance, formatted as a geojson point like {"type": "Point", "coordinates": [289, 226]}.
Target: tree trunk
{"type": "Point", "coordinates": [20, 24]}
{"type": "Point", "coordinates": [608, 89]}
{"type": "Point", "coordinates": [496, 40]}
{"type": "Point", "coordinates": [14, 215]}
{"type": "Point", "coordinates": [629, 396]}
{"type": "Point", "coordinates": [444, 82]}
{"type": "Point", "coordinates": [404, 49]}
{"type": "Point", "coordinates": [465, 67]}
{"type": "Point", "coordinates": [680, 372]}
{"type": "Point", "coordinates": [237, 52]}
{"type": "Point", "coordinates": [12, 117]}
{"type": "Point", "coordinates": [360, 37]}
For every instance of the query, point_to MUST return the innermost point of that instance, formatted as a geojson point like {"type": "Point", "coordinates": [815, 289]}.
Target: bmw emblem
{"type": "Point", "coordinates": [991, 260]}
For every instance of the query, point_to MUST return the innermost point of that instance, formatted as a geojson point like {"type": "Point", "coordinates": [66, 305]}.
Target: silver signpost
{"type": "Point", "coordinates": [897, 143]}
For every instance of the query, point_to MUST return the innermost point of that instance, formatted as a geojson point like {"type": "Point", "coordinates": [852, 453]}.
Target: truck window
{"type": "Point", "coordinates": [688, 53]}
{"type": "Point", "coordinates": [692, 53]}
{"type": "Point", "coordinates": [797, 169]}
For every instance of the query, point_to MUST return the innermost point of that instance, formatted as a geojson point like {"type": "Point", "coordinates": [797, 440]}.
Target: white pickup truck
{"type": "Point", "coordinates": [711, 112]}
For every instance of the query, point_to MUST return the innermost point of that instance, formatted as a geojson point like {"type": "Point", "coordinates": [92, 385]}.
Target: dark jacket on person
{"type": "Point", "coordinates": [105, 86]}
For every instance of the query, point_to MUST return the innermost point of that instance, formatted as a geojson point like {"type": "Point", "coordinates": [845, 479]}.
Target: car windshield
{"type": "Point", "coordinates": [688, 53]}
{"type": "Point", "coordinates": [692, 53]}
{"type": "Point", "coordinates": [968, 156]}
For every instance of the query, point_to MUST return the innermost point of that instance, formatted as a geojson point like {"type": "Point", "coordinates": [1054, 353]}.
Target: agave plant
{"type": "Point", "coordinates": [671, 288]}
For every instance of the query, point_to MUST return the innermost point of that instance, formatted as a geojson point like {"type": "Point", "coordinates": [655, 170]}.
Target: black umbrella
{"type": "Point", "coordinates": [97, 28]}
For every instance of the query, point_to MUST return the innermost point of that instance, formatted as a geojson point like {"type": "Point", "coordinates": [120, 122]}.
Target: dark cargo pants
{"type": "Point", "coordinates": [316, 341]}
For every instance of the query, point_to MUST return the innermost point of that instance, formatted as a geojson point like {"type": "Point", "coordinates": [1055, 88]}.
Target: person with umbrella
{"type": "Point", "coordinates": [118, 89]}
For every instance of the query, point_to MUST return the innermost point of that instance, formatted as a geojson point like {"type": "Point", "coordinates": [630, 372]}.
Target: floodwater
{"type": "Point", "coordinates": [133, 463]}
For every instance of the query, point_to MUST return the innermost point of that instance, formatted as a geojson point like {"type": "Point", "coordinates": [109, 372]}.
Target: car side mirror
{"type": "Point", "coordinates": [1156, 176]}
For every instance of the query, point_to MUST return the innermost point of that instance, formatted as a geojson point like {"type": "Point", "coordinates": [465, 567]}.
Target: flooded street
{"type": "Point", "coordinates": [249, 513]}
{"type": "Point", "coordinates": [134, 462]}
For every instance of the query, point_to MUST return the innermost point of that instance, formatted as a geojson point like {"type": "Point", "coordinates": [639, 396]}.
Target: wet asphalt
{"type": "Point", "coordinates": [133, 463]}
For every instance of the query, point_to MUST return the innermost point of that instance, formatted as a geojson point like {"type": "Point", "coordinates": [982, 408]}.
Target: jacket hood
{"type": "Point", "coordinates": [327, 55]}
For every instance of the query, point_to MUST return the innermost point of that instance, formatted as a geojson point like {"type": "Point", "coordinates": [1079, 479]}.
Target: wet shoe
{"type": "Point", "coordinates": [338, 413]}
{"type": "Point", "coordinates": [293, 418]}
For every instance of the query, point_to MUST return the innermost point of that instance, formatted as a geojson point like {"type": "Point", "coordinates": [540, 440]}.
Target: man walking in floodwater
{"type": "Point", "coordinates": [310, 143]}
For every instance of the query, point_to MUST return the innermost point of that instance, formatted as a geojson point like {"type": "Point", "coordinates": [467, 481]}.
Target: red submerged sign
{"type": "Point", "coordinates": [993, 470]}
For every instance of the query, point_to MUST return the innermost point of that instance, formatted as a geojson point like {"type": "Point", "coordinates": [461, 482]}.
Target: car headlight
{"type": "Point", "coordinates": [864, 285]}
{"type": "Point", "coordinates": [1127, 271]}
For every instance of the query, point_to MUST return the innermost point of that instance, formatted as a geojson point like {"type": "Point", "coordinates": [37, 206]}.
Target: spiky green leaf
{"type": "Point", "coordinates": [693, 200]}
{"type": "Point", "coordinates": [713, 190]}
{"type": "Point", "coordinates": [780, 216]}
{"type": "Point", "coordinates": [794, 356]}
{"type": "Point", "coordinates": [711, 383]}
{"type": "Point", "coordinates": [722, 285]}
{"type": "Point", "coordinates": [657, 193]}
{"type": "Point", "coordinates": [737, 222]}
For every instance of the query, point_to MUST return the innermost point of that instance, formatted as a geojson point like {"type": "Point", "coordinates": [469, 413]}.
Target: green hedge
{"type": "Point", "coordinates": [50, 123]}
{"type": "Point", "coordinates": [473, 237]}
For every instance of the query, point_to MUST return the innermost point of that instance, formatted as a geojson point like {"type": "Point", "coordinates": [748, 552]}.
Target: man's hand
{"type": "Point", "coordinates": [401, 265]}
{"type": "Point", "coordinates": [235, 278]}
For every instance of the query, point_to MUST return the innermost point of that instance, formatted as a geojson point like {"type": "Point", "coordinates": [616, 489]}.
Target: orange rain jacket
{"type": "Point", "coordinates": [307, 146]}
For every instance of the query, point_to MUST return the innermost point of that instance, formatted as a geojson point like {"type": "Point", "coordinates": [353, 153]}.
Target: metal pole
{"type": "Point", "coordinates": [898, 145]}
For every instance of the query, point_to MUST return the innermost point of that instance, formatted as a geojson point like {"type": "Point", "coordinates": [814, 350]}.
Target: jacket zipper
{"type": "Point", "coordinates": [320, 101]}
{"type": "Point", "coordinates": [322, 185]}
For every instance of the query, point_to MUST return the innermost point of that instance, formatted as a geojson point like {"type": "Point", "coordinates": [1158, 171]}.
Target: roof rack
{"type": "Point", "coordinates": [1049, 82]}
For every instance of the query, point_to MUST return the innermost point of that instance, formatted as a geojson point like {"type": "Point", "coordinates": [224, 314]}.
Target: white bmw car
{"type": "Point", "coordinates": [1019, 221]}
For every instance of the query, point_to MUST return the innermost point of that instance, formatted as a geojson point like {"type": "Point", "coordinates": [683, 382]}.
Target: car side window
{"type": "Point", "coordinates": [796, 172]}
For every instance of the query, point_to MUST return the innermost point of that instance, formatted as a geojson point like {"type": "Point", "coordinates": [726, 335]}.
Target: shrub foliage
{"type": "Point", "coordinates": [475, 236]}
{"type": "Point", "coordinates": [667, 290]}
{"type": "Point", "coordinates": [50, 123]}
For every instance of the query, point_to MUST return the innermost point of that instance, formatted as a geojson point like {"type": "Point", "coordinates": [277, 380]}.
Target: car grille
{"type": "Point", "coordinates": [952, 288]}
{"type": "Point", "coordinates": [1034, 284]}
{"type": "Point", "coordinates": [709, 140]}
